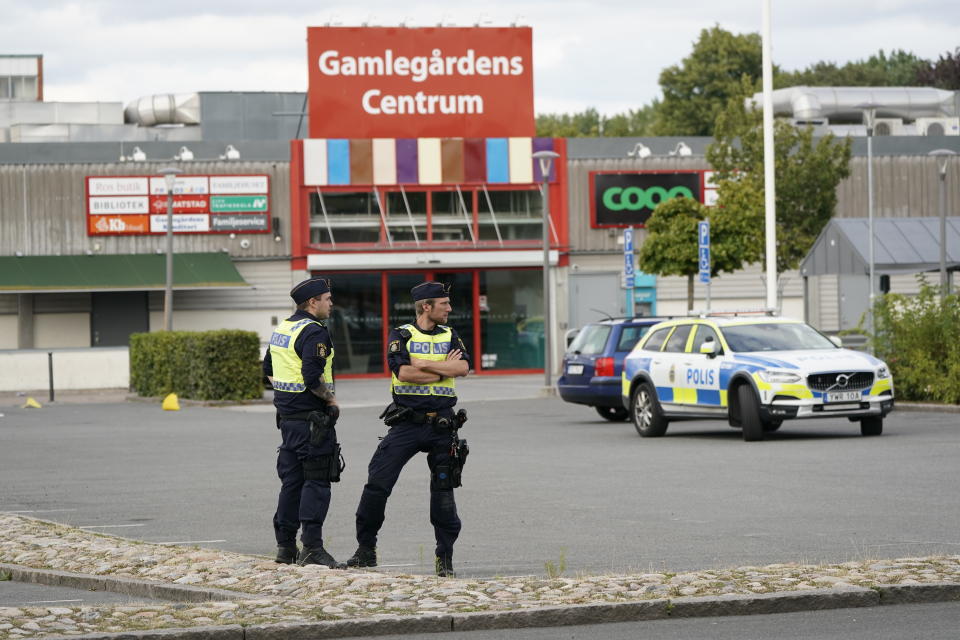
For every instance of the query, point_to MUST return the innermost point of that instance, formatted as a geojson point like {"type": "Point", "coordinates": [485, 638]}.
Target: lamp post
{"type": "Point", "coordinates": [546, 158]}
{"type": "Point", "coordinates": [942, 155]}
{"type": "Point", "coordinates": [170, 178]}
{"type": "Point", "coordinates": [869, 111]}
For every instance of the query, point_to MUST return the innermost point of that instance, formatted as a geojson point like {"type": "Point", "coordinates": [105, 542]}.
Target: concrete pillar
{"type": "Point", "coordinates": [25, 321]}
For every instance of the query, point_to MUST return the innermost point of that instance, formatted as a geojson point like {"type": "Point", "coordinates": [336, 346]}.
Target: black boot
{"type": "Point", "coordinates": [286, 554]}
{"type": "Point", "coordinates": [444, 566]}
{"type": "Point", "coordinates": [316, 555]}
{"type": "Point", "coordinates": [362, 557]}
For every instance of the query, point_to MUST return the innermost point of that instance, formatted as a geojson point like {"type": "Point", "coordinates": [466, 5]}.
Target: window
{"type": "Point", "coordinates": [678, 341]}
{"type": "Point", "coordinates": [630, 336]}
{"type": "Point", "coordinates": [344, 217]}
{"type": "Point", "coordinates": [515, 214]}
{"type": "Point", "coordinates": [407, 216]}
{"type": "Point", "coordinates": [511, 324]}
{"type": "Point", "coordinates": [591, 340]}
{"type": "Point", "coordinates": [452, 216]}
{"type": "Point", "coordinates": [704, 334]}
{"type": "Point", "coordinates": [656, 340]}
{"type": "Point", "coordinates": [774, 336]}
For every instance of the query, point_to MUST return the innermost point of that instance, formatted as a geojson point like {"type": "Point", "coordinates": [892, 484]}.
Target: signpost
{"type": "Point", "coordinates": [703, 242]}
{"type": "Point", "coordinates": [628, 272]}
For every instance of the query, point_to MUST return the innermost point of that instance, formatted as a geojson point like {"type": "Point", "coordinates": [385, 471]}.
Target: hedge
{"type": "Point", "coordinates": [201, 365]}
{"type": "Point", "coordinates": [919, 338]}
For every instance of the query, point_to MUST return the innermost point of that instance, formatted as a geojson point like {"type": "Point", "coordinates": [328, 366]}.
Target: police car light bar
{"type": "Point", "coordinates": [701, 313]}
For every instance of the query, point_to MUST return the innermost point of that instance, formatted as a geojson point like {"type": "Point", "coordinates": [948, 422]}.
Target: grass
{"type": "Point", "coordinates": [5, 576]}
{"type": "Point", "coordinates": [556, 570]}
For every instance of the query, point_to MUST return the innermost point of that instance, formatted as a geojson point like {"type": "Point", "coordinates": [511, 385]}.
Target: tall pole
{"type": "Point", "coordinates": [170, 178]}
{"type": "Point", "coordinates": [942, 172]}
{"type": "Point", "coordinates": [546, 159]}
{"type": "Point", "coordinates": [873, 287]}
{"type": "Point", "coordinates": [769, 186]}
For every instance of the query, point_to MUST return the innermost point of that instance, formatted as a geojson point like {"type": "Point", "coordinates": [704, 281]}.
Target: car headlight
{"type": "Point", "coordinates": [883, 372]}
{"type": "Point", "coordinates": [779, 376]}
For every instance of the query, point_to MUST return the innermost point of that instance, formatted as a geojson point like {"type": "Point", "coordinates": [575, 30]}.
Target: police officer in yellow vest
{"type": "Point", "coordinates": [299, 364]}
{"type": "Point", "coordinates": [424, 357]}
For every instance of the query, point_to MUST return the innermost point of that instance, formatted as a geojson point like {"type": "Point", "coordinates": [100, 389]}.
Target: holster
{"type": "Point", "coordinates": [449, 475]}
{"type": "Point", "coordinates": [394, 414]}
{"type": "Point", "coordinates": [322, 426]}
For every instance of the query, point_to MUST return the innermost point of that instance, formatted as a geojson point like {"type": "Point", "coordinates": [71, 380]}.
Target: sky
{"type": "Point", "coordinates": [605, 54]}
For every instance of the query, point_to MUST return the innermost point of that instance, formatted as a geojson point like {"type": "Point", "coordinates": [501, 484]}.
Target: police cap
{"type": "Point", "coordinates": [310, 288]}
{"type": "Point", "coordinates": [429, 290]}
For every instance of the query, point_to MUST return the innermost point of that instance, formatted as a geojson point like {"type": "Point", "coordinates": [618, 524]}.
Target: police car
{"type": "Point", "coordinates": [754, 372]}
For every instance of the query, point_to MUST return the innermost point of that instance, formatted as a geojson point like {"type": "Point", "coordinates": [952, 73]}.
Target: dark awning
{"type": "Point", "coordinates": [125, 272]}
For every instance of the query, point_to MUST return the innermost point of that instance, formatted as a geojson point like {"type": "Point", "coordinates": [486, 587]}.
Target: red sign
{"type": "Point", "coordinates": [117, 225]}
{"type": "Point", "coordinates": [398, 82]}
{"type": "Point", "coordinates": [181, 204]}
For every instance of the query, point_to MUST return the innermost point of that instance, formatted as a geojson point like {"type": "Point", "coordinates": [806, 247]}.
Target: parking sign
{"type": "Point", "coordinates": [703, 236]}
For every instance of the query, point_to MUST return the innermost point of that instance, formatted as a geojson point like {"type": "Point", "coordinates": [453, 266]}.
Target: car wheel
{"type": "Point", "coordinates": [750, 413]}
{"type": "Point", "coordinates": [771, 425]}
{"type": "Point", "coordinates": [872, 426]}
{"type": "Point", "coordinates": [647, 416]}
{"type": "Point", "coordinates": [613, 414]}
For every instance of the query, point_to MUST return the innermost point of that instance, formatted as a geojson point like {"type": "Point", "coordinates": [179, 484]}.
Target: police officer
{"type": "Point", "coordinates": [424, 357]}
{"type": "Point", "coordinates": [299, 364]}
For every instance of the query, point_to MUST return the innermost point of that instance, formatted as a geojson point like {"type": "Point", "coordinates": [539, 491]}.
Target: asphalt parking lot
{"type": "Point", "coordinates": [545, 482]}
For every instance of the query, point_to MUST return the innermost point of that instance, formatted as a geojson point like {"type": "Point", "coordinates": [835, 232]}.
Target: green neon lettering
{"type": "Point", "coordinates": [635, 198]}
{"type": "Point", "coordinates": [608, 199]}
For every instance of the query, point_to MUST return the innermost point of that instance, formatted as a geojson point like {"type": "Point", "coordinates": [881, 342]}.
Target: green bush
{"type": "Point", "coordinates": [202, 365]}
{"type": "Point", "coordinates": [919, 338]}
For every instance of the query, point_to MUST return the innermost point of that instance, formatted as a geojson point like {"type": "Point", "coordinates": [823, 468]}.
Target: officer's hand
{"type": "Point", "coordinates": [456, 354]}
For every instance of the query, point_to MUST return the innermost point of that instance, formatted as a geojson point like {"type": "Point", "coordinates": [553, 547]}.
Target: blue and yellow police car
{"type": "Point", "coordinates": [755, 372]}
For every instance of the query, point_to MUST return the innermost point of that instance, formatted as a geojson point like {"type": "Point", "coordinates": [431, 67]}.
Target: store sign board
{"type": "Point", "coordinates": [399, 82]}
{"type": "Point", "coordinates": [235, 204]}
{"type": "Point", "coordinates": [240, 222]}
{"type": "Point", "coordinates": [134, 205]}
{"type": "Point", "coordinates": [627, 199]}
{"type": "Point", "coordinates": [239, 184]}
{"type": "Point", "coordinates": [183, 223]}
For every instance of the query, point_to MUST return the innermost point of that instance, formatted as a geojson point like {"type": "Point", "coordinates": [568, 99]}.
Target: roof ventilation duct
{"type": "Point", "coordinates": [166, 108]}
{"type": "Point", "coordinates": [842, 103]}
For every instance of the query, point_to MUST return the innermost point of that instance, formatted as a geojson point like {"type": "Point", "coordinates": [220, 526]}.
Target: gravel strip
{"type": "Point", "coordinates": [269, 593]}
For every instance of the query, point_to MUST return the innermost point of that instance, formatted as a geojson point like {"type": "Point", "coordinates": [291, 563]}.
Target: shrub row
{"type": "Point", "coordinates": [202, 365]}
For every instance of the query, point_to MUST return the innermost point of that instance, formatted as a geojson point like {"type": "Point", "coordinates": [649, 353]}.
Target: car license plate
{"type": "Point", "coordinates": [575, 369]}
{"type": "Point", "coordinates": [843, 396]}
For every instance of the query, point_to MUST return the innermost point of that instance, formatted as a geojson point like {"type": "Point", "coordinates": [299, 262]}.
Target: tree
{"type": "Point", "coordinates": [591, 123]}
{"type": "Point", "coordinates": [942, 74]}
{"type": "Point", "coordinates": [807, 174]}
{"type": "Point", "coordinates": [671, 247]}
{"type": "Point", "coordinates": [899, 69]}
{"type": "Point", "coordinates": [697, 90]}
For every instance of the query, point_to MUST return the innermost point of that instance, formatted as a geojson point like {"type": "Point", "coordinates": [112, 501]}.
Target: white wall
{"type": "Point", "coordinates": [100, 368]}
{"type": "Point", "coordinates": [258, 320]}
{"type": "Point", "coordinates": [8, 331]}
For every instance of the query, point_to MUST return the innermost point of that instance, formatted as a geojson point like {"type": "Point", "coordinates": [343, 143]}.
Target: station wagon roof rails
{"type": "Point", "coordinates": [731, 313]}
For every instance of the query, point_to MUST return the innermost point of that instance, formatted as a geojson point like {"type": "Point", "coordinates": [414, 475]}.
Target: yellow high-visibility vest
{"type": "Point", "coordinates": [287, 373]}
{"type": "Point", "coordinates": [428, 347]}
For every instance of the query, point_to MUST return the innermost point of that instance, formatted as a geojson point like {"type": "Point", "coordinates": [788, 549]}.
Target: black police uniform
{"type": "Point", "coordinates": [303, 502]}
{"type": "Point", "coordinates": [404, 440]}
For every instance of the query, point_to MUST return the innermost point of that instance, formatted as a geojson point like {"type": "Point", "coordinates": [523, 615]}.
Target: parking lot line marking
{"type": "Point", "coordinates": [190, 542]}
{"type": "Point", "coordinates": [109, 526]}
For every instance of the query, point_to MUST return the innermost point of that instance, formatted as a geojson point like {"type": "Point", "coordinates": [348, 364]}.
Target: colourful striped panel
{"type": "Point", "coordinates": [407, 162]}
{"type": "Point", "coordinates": [474, 160]}
{"type": "Point", "coordinates": [498, 160]}
{"type": "Point", "coordinates": [384, 161]}
{"type": "Point", "coordinates": [543, 144]}
{"type": "Point", "coordinates": [451, 160]}
{"type": "Point", "coordinates": [521, 160]}
{"type": "Point", "coordinates": [361, 161]}
{"type": "Point", "coordinates": [429, 161]}
{"type": "Point", "coordinates": [315, 162]}
{"type": "Point", "coordinates": [338, 161]}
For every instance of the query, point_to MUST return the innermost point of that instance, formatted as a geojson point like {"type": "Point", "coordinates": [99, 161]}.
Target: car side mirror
{"type": "Point", "coordinates": [837, 340]}
{"type": "Point", "coordinates": [709, 348]}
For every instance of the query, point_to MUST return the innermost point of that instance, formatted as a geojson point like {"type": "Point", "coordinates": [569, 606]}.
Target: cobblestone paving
{"type": "Point", "coordinates": [285, 593]}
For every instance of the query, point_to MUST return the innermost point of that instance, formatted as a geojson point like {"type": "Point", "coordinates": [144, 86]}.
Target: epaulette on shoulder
{"type": "Point", "coordinates": [404, 330]}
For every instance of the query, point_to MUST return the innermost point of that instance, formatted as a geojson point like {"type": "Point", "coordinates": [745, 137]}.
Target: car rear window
{"type": "Point", "coordinates": [591, 339]}
{"type": "Point", "coordinates": [630, 336]}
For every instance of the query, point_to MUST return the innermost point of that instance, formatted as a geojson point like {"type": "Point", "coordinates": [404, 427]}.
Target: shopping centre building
{"type": "Point", "coordinates": [408, 159]}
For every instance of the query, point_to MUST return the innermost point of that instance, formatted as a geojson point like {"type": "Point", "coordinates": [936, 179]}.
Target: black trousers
{"type": "Point", "coordinates": [402, 442]}
{"type": "Point", "coordinates": [302, 504]}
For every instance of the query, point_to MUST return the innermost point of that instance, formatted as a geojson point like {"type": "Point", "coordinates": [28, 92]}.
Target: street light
{"type": "Point", "coordinates": [170, 178]}
{"type": "Point", "coordinates": [942, 156]}
{"type": "Point", "coordinates": [869, 111]}
{"type": "Point", "coordinates": [546, 158]}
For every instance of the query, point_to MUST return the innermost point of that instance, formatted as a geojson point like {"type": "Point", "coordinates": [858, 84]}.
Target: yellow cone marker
{"type": "Point", "coordinates": [31, 404]}
{"type": "Point", "coordinates": [170, 403]}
